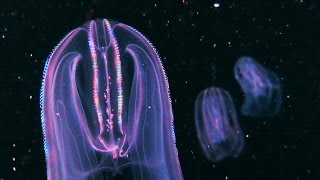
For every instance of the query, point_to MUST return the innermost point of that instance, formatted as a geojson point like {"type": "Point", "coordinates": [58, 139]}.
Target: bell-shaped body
{"type": "Point", "coordinates": [105, 107]}
{"type": "Point", "coordinates": [217, 125]}
{"type": "Point", "coordinates": [262, 88]}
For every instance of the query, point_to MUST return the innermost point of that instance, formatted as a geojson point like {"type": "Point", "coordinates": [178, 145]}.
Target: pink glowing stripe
{"type": "Point", "coordinates": [95, 76]}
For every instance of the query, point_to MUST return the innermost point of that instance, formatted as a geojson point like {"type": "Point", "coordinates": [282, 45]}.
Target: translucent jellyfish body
{"type": "Point", "coordinates": [217, 125]}
{"type": "Point", "coordinates": [105, 107]}
{"type": "Point", "coordinates": [262, 88]}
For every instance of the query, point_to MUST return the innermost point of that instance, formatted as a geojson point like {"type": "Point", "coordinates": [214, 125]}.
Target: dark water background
{"type": "Point", "coordinates": [199, 45]}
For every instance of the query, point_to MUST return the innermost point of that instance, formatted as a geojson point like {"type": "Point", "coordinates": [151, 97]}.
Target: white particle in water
{"type": "Point", "coordinates": [216, 5]}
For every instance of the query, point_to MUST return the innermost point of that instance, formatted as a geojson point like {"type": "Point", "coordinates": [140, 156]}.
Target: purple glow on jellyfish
{"type": "Point", "coordinates": [217, 125]}
{"type": "Point", "coordinates": [262, 88]}
{"type": "Point", "coordinates": [105, 107]}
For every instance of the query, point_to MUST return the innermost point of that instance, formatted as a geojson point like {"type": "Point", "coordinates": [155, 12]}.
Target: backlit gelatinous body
{"type": "Point", "coordinates": [217, 125]}
{"type": "Point", "coordinates": [106, 108]}
{"type": "Point", "coordinates": [262, 88]}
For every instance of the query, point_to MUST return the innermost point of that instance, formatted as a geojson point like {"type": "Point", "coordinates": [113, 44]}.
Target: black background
{"type": "Point", "coordinates": [198, 45]}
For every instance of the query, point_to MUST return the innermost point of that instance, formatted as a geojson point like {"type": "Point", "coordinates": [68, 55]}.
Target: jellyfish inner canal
{"type": "Point", "coordinates": [98, 87]}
